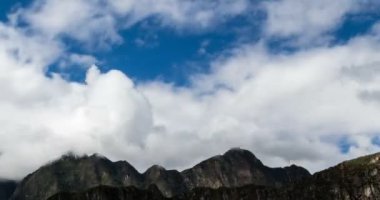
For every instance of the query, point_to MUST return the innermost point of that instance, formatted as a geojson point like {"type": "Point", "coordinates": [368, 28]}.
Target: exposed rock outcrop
{"type": "Point", "coordinates": [238, 167]}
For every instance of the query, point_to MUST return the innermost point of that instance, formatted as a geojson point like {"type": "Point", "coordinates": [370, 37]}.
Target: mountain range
{"type": "Point", "coordinates": [237, 174]}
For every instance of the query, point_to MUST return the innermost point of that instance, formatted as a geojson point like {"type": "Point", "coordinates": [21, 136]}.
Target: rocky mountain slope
{"type": "Point", "coordinates": [73, 174]}
{"type": "Point", "coordinates": [358, 179]}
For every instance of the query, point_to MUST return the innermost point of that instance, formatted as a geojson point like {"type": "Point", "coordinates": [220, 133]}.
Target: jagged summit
{"type": "Point", "coordinates": [236, 174]}
{"type": "Point", "coordinates": [236, 167]}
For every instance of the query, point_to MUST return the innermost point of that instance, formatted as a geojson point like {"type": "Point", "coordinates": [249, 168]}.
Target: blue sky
{"type": "Point", "coordinates": [149, 51]}
{"type": "Point", "coordinates": [152, 52]}
{"type": "Point", "coordinates": [287, 79]}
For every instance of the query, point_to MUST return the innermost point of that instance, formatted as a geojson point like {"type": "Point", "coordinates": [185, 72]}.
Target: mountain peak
{"type": "Point", "coordinates": [155, 169]}
{"type": "Point", "coordinates": [239, 151]}
{"type": "Point", "coordinates": [239, 155]}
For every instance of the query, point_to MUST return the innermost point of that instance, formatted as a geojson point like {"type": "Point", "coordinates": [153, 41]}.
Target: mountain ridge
{"type": "Point", "coordinates": [356, 179]}
{"type": "Point", "coordinates": [235, 175]}
{"type": "Point", "coordinates": [235, 168]}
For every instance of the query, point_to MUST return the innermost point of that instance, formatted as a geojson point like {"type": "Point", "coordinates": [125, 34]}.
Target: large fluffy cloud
{"type": "Point", "coordinates": [43, 117]}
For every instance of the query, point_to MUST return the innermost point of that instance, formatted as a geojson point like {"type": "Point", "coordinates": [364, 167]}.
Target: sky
{"type": "Point", "coordinates": [173, 82]}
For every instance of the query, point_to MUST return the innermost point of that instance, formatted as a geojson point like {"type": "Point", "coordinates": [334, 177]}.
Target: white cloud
{"type": "Point", "coordinates": [82, 60]}
{"type": "Point", "coordinates": [105, 115]}
{"type": "Point", "coordinates": [74, 60]}
{"type": "Point", "coordinates": [179, 13]}
{"type": "Point", "coordinates": [43, 117]}
{"type": "Point", "coordinates": [96, 23]}
{"type": "Point", "coordinates": [308, 21]}
{"type": "Point", "coordinates": [282, 107]}
{"type": "Point", "coordinates": [85, 21]}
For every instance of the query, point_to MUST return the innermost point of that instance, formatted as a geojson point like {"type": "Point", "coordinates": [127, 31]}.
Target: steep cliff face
{"type": "Point", "coordinates": [72, 173]}
{"type": "Point", "coordinates": [238, 167]}
{"type": "Point", "coordinates": [235, 168]}
{"type": "Point", "coordinates": [6, 189]}
{"type": "Point", "coordinates": [169, 182]}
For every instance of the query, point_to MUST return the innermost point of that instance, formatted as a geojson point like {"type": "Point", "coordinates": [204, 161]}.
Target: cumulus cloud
{"type": "Point", "coordinates": [53, 116]}
{"type": "Point", "coordinates": [43, 117]}
{"type": "Point", "coordinates": [284, 107]}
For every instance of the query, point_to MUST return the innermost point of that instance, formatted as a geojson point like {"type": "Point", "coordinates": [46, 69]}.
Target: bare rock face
{"type": "Point", "coordinates": [71, 173]}
{"type": "Point", "coordinates": [235, 168]}
{"type": "Point", "coordinates": [354, 179]}
{"type": "Point", "coordinates": [169, 182]}
{"type": "Point", "coordinates": [238, 167]}
{"type": "Point", "coordinates": [358, 179]}
{"type": "Point", "coordinates": [6, 189]}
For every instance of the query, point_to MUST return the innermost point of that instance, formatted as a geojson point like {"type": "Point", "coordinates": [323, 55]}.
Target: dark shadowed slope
{"type": "Point", "coordinates": [6, 189]}
{"type": "Point", "coordinates": [112, 193]}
